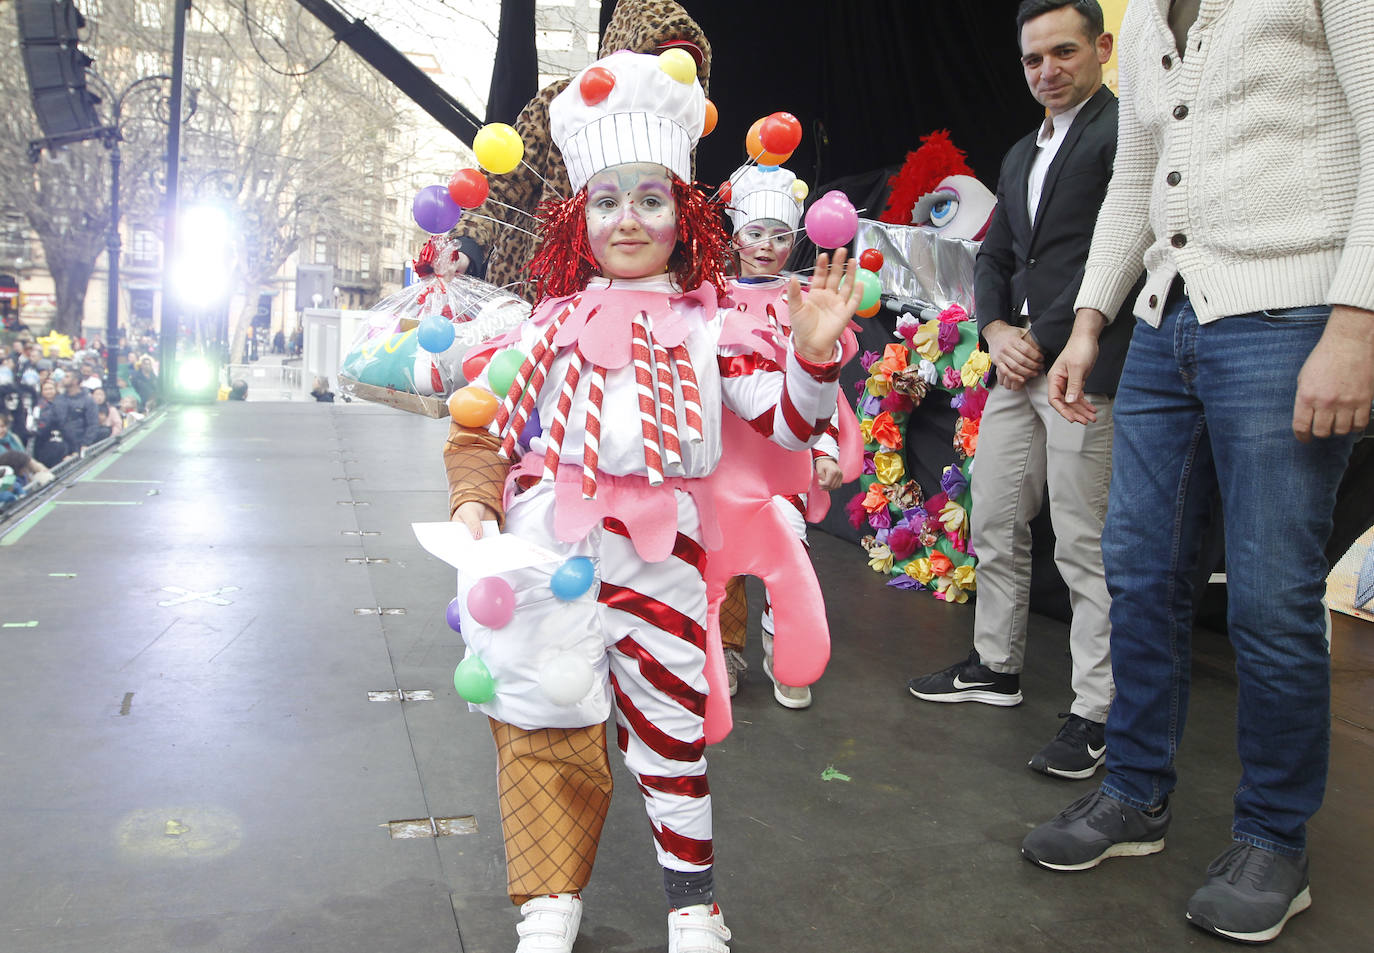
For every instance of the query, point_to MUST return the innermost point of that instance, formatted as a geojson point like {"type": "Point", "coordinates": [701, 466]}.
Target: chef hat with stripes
{"type": "Point", "coordinates": [626, 107]}
{"type": "Point", "coordinates": [762, 192]}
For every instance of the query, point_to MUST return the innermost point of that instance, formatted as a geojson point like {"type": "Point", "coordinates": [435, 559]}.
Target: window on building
{"type": "Point", "coordinates": [321, 250]}
{"type": "Point", "coordinates": [389, 240]}
{"type": "Point", "coordinates": [150, 14]}
{"type": "Point", "coordinates": [391, 134]}
{"type": "Point", "coordinates": [143, 247]}
{"type": "Point", "coordinates": [365, 266]}
{"type": "Point", "coordinates": [392, 205]}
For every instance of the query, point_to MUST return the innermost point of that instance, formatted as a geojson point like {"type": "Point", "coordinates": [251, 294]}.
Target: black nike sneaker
{"type": "Point", "coordinates": [968, 681]}
{"type": "Point", "coordinates": [1076, 752]}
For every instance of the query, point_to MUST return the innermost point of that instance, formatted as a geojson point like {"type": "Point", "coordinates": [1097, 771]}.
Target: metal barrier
{"type": "Point", "coordinates": [276, 382]}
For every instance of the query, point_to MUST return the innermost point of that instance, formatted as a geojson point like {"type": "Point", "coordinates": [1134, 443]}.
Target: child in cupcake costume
{"type": "Point", "coordinates": [613, 419]}
{"type": "Point", "coordinates": [764, 213]}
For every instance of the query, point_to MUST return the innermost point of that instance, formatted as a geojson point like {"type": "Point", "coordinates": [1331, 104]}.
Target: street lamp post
{"type": "Point", "coordinates": [112, 242]}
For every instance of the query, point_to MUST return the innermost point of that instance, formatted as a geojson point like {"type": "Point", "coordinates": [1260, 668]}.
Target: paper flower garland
{"type": "Point", "coordinates": [921, 543]}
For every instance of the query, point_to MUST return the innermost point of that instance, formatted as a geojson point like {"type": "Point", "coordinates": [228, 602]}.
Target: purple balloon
{"type": "Point", "coordinates": [454, 614]}
{"type": "Point", "coordinates": [533, 428]}
{"type": "Point", "coordinates": [434, 209]}
{"type": "Point", "coordinates": [831, 221]}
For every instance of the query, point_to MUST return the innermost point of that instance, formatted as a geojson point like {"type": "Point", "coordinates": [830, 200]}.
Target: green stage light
{"type": "Point", "coordinates": [194, 375]}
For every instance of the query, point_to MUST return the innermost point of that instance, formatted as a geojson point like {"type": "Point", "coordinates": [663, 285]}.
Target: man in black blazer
{"type": "Point", "coordinates": [1027, 276]}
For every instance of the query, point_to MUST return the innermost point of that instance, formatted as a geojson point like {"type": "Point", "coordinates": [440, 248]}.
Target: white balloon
{"type": "Point", "coordinates": [566, 678]}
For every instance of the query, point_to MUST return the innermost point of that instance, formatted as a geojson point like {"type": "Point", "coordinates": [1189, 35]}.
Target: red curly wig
{"type": "Point", "coordinates": [564, 263]}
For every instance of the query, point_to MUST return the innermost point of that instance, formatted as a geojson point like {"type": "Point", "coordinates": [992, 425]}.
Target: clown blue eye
{"type": "Point", "coordinates": [942, 213]}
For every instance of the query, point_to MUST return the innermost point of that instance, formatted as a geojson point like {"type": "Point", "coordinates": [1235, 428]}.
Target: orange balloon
{"type": "Point", "coordinates": [712, 117]}
{"type": "Point", "coordinates": [754, 146]}
{"type": "Point", "coordinates": [473, 407]}
{"type": "Point", "coordinates": [870, 312]}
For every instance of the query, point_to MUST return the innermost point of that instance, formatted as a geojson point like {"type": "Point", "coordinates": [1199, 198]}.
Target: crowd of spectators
{"type": "Point", "coordinates": [53, 408]}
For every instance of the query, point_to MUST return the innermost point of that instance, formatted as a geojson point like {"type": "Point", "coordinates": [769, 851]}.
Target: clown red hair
{"type": "Point", "coordinates": [924, 169]}
{"type": "Point", "coordinates": [564, 263]}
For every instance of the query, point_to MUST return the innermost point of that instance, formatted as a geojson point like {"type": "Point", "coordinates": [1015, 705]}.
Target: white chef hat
{"type": "Point", "coordinates": [647, 116]}
{"type": "Point", "coordinates": [757, 192]}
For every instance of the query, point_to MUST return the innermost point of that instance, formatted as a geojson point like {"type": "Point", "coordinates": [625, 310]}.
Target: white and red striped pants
{"type": "Point", "coordinates": [643, 628]}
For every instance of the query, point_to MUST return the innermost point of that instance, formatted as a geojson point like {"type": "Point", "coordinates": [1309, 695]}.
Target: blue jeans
{"type": "Point", "coordinates": [1202, 408]}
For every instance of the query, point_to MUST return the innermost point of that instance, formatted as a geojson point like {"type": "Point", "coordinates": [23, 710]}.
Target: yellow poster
{"type": "Point", "coordinates": [1112, 12]}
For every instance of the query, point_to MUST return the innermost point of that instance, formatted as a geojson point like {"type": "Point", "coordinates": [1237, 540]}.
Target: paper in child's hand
{"type": "Point", "coordinates": [495, 552]}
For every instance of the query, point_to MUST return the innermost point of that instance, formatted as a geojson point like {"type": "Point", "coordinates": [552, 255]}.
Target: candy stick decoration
{"type": "Point", "coordinates": [591, 447]}
{"type": "Point", "coordinates": [533, 369]}
{"type": "Point", "coordinates": [667, 406]}
{"type": "Point", "coordinates": [558, 428]}
{"type": "Point", "coordinates": [691, 394]}
{"type": "Point", "coordinates": [644, 384]}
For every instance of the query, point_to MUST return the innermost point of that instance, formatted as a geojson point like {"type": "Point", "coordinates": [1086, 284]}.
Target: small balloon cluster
{"type": "Point", "coordinates": [870, 263]}
{"type": "Point", "coordinates": [565, 677]}
{"type": "Point", "coordinates": [437, 208]}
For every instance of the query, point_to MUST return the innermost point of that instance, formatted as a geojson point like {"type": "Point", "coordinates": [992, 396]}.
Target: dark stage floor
{"type": "Point", "coordinates": [191, 760]}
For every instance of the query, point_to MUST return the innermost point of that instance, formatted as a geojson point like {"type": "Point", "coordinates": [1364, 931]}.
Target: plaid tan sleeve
{"type": "Point", "coordinates": [476, 472]}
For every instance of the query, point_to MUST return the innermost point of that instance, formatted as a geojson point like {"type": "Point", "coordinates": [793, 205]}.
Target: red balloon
{"type": "Point", "coordinates": [726, 193]}
{"type": "Point", "coordinates": [596, 84]}
{"type": "Point", "coordinates": [468, 188]}
{"type": "Point", "coordinates": [872, 259]}
{"type": "Point", "coordinates": [780, 133]}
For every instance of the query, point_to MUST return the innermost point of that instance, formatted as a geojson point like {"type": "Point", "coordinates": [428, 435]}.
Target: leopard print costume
{"type": "Point", "coordinates": [639, 25]}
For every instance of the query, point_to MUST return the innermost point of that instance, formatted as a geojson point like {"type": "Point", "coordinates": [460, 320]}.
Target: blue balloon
{"type": "Point", "coordinates": [572, 578]}
{"type": "Point", "coordinates": [435, 333]}
{"type": "Point", "coordinates": [454, 614]}
{"type": "Point", "coordinates": [434, 209]}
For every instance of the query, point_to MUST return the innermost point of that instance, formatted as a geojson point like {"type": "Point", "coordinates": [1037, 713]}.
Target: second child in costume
{"type": "Point", "coordinates": [618, 426]}
{"type": "Point", "coordinates": [764, 217]}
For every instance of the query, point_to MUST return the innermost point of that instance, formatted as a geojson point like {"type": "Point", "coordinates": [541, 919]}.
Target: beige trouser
{"type": "Point", "coordinates": [1022, 443]}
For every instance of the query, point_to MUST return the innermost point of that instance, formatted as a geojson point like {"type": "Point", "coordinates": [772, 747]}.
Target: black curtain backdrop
{"type": "Point", "coordinates": [515, 71]}
{"type": "Point", "coordinates": [866, 79]}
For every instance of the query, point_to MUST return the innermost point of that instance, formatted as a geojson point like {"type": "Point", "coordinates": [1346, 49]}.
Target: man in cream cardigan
{"type": "Point", "coordinates": [1245, 126]}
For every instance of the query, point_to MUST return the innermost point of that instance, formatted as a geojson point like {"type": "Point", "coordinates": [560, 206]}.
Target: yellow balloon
{"type": "Point", "coordinates": [498, 147]}
{"type": "Point", "coordinates": [800, 191]}
{"type": "Point", "coordinates": [678, 64]}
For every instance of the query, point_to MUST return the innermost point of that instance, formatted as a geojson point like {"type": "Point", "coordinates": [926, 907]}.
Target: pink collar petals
{"type": "Point", "coordinates": [600, 324]}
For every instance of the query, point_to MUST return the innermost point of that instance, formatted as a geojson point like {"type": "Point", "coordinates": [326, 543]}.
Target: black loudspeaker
{"type": "Point", "coordinates": [49, 32]}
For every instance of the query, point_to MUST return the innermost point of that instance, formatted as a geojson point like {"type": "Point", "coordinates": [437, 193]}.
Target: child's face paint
{"type": "Point", "coordinates": [763, 246]}
{"type": "Point", "coordinates": [632, 220]}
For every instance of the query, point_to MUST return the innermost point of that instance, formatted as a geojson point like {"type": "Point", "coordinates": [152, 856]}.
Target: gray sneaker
{"type": "Point", "coordinates": [735, 668]}
{"type": "Point", "coordinates": [1092, 829]}
{"type": "Point", "coordinates": [1250, 894]}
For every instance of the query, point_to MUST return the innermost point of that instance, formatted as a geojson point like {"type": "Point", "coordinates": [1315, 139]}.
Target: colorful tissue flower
{"type": "Point", "coordinates": [966, 436]}
{"type": "Point", "coordinates": [951, 380]}
{"type": "Point", "coordinates": [954, 518]}
{"type": "Point", "coordinates": [952, 481]}
{"type": "Point", "coordinates": [926, 341]}
{"type": "Point", "coordinates": [878, 385]}
{"type": "Point", "coordinates": [896, 402]}
{"type": "Point", "coordinates": [869, 468]}
{"type": "Point", "coordinates": [909, 382]}
{"type": "Point", "coordinates": [880, 519]}
{"type": "Point", "coordinates": [903, 582]}
{"type": "Point", "coordinates": [948, 338]}
{"type": "Point", "coordinates": [889, 466]}
{"type": "Point", "coordinates": [906, 496]}
{"type": "Point", "coordinates": [965, 577]}
{"type": "Point", "coordinates": [902, 542]}
{"type": "Point", "coordinates": [880, 558]}
{"type": "Point", "coordinates": [973, 401]}
{"type": "Point", "coordinates": [940, 564]}
{"type": "Point", "coordinates": [953, 314]}
{"type": "Point", "coordinates": [875, 499]}
{"type": "Point", "coordinates": [949, 591]}
{"type": "Point", "coordinates": [866, 430]}
{"type": "Point", "coordinates": [928, 373]}
{"type": "Point", "coordinates": [919, 569]}
{"type": "Point", "coordinates": [907, 325]}
{"type": "Point", "coordinates": [867, 359]}
{"type": "Point", "coordinates": [886, 432]}
{"type": "Point", "coordinates": [975, 367]}
{"type": "Point", "coordinates": [854, 509]}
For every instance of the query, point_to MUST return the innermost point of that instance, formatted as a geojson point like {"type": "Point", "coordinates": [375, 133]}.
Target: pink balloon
{"type": "Point", "coordinates": [831, 220]}
{"type": "Point", "coordinates": [491, 601]}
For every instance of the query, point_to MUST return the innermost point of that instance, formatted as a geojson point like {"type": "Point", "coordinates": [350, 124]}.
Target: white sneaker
{"type": "Point", "coordinates": [550, 924]}
{"type": "Point", "coordinates": [697, 929]}
{"type": "Point", "coordinates": [788, 696]}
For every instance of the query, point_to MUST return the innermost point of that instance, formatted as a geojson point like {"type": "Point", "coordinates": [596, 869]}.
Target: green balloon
{"type": "Point", "coordinates": [505, 364]}
{"type": "Point", "coordinates": [873, 288]}
{"type": "Point", "coordinates": [473, 682]}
